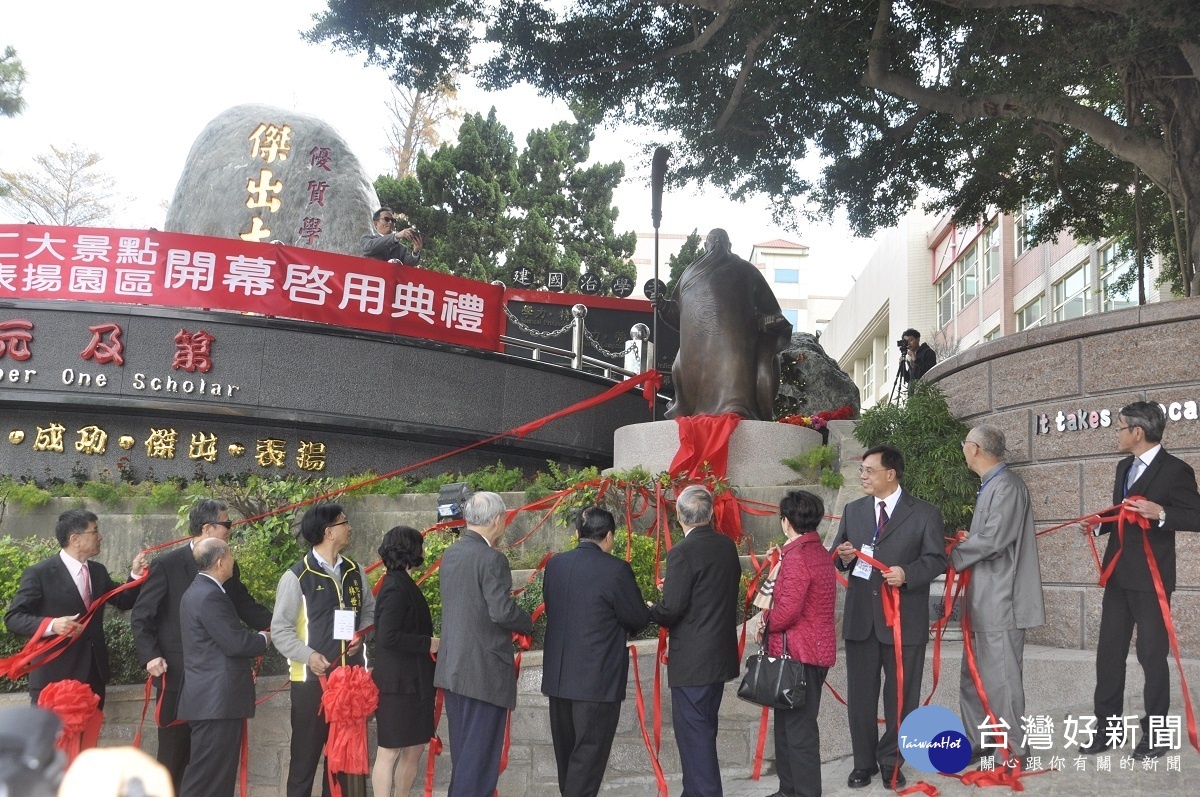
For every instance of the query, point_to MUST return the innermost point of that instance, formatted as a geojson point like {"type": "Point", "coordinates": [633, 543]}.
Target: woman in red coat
{"type": "Point", "coordinates": [802, 611]}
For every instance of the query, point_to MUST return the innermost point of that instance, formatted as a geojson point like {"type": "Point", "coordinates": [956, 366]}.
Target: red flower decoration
{"type": "Point", "coordinates": [350, 697]}
{"type": "Point", "coordinates": [74, 703]}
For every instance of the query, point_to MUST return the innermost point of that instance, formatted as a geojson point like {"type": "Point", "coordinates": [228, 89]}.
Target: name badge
{"type": "Point", "coordinates": [343, 624]}
{"type": "Point", "coordinates": [862, 568]}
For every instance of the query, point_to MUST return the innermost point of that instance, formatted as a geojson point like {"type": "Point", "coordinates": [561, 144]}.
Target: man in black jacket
{"type": "Point", "coordinates": [56, 592]}
{"type": "Point", "coordinates": [918, 357]}
{"type": "Point", "coordinates": [218, 695]}
{"type": "Point", "coordinates": [592, 605]}
{"type": "Point", "coordinates": [386, 243]}
{"type": "Point", "coordinates": [1162, 488]}
{"type": "Point", "coordinates": [157, 632]}
{"type": "Point", "coordinates": [699, 606]}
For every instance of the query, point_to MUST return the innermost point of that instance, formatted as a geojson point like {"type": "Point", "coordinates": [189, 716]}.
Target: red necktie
{"type": "Point", "coordinates": [883, 515]}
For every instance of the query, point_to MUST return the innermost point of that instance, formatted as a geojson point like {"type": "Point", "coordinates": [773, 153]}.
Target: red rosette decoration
{"type": "Point", "coordinates": [75, 705]}
{"type": "Point", "coordinates": [350, 698]}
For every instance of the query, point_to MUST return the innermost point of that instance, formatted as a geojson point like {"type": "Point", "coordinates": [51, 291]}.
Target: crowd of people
{"type": "Point", "coordinates": [197, 629]}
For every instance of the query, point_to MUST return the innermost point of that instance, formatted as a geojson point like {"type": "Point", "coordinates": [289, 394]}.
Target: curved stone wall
{"type": "Point", "coordinates": [1056, 391]}
{"type": "Point", "coordinates": [372, 400]}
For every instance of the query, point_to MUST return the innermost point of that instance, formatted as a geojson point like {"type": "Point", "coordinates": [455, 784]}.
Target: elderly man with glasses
{"type": "Point", "coordinates": [386, 243]}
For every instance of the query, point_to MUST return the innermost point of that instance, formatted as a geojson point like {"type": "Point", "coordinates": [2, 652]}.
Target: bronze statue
{"type": "Point", "coordinates": [731, 332]}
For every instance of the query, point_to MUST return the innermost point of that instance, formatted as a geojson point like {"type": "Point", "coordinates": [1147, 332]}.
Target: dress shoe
{"type": "Point", "coordinates": [860, 778]}
{"type": "Point", "coordinates": [901, 782]}
{"type": "Point", "coordinates": [1097, 746]}
{"type": "Point", "coordinates": [1144, 752]}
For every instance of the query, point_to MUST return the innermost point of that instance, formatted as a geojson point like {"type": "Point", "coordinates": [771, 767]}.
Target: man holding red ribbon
{"type": "Point", "coordinates": [57, 592]}
{"type": "Point", "coordinates": [907, 535]}
{"type": "Point", "coordinates": [1161, 488]}
{"type": "Point", "coordinates": [1004, 592]}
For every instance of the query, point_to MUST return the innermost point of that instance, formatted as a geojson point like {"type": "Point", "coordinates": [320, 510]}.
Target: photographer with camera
{"type": "Point", "coordinates": [388, 243]}
{"type": "Point", "coordinates": [916, 358]}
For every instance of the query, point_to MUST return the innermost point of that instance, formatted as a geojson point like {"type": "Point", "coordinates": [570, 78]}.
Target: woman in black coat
{"type": "Point", "coordinates": [404, 644]}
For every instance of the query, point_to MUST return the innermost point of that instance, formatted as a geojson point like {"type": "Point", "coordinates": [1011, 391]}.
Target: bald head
{"type": "Point", "coordinates": [213, 558]}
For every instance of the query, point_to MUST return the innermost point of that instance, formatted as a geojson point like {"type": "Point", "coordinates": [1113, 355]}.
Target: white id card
{"type": "Point", "coordinates": [861, 568]}
{"type": "Point", "coordinates": [343, 624]}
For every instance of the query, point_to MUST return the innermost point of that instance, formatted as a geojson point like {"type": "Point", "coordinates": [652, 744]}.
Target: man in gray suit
{"type": "Point", "coordinates": [218, 686]}
{"type": "Point", "coordinates": [1004, 596]}
{"type": "Point", "coordinates": [475, 658]}
{"type": "Point", "coordinates": [906, 534]}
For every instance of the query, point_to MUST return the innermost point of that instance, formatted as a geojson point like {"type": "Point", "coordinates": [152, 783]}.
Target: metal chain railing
{"type": "Point", "coordinates": [632, 347]}
{"type": "Point", "coordinates": [534, 332]}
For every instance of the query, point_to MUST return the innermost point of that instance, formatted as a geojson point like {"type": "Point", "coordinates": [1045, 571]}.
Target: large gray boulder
{"type": "Point", "coordinates": [825, 385]}
{"type": "Point", "coordinates": [307, 188]}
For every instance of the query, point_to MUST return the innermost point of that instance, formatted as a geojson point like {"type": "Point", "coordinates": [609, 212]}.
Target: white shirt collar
{"type": "Point", "coordinates": [889, 502]}
{"type": "Point", "coordinates": [321, 561]}
{"type": "Point", "coordinates": [73, 564]}
{"type": "Point", "coordinates": [213, 580]}
{"type": "Point", "coordinates": [1148, 456]}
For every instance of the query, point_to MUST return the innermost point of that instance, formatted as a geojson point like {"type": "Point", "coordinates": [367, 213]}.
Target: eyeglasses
{"type": "Point", "coordinates": [387, 219]}
{"type": "Point", "coordinates": [969, 443]}
{"type": "Point", "coordinates": [339, 523]}
{"type": "Point", "coordinates": [1121, 428]}
{"type": "Point", "coordinates": [871, 471]}
{"type": "Point", "coordinates": [226, 523]}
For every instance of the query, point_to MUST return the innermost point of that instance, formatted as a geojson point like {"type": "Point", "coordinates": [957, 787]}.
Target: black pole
{"type": "Point", "coordinates": [658, 172]}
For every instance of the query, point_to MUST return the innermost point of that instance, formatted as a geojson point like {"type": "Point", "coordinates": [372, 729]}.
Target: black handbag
{"type": "Point", "coordinates": [774, 682]}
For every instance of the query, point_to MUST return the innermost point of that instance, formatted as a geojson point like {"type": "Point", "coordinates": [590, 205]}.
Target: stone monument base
{"type": "Point", "coordinates": [756, 450]}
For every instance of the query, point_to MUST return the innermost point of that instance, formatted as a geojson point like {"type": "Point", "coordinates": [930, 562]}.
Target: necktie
{"type": "Point", "coordinates": [84, 580]}
{"type": "Point", "coordinates": [883, 515]}
{"type": "Point", "coordinates": [1135, 470]}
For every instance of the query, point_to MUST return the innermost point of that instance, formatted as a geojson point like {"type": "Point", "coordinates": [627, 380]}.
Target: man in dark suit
{"type": "Point", "coordinates": [218, 691]}
{"type": "Point", "coordinates": [592, 605]}
{"type": "Point", "coordinates": [475, 657]}
{"type": "Point", "coordinates": [908, 535]}
{"type": "Point", "coordinates": [699, 606]}
{"type": "Point", "coordinates": [158, 635]}
{"type": "Point", "coordinates": [1162, 488]}
{"type": "Point", "coordinates": [56, 592]}
{"type": "Point", "coordinates": [388, 243]}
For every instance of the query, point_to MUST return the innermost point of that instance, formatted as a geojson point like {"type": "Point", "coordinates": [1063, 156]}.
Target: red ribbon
{"type": "Point", "coordinates": [651, 749]}
{"type": "Point", "coordinates": [435, 745]}
{"type": "Point", "coordinates": [349, 698]}
{"type": "Point", "coordinates": [76, 706]}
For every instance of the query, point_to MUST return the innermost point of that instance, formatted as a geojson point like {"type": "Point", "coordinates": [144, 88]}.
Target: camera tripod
{"type": "Point", "coordinates": [900, 384]}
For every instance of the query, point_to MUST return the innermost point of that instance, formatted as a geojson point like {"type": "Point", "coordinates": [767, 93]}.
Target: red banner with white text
{"type": "Point", "coordinates": [167, 269]}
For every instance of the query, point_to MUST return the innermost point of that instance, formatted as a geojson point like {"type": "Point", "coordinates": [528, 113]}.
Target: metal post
{"type": "Point", "coordinates": [578, 313]}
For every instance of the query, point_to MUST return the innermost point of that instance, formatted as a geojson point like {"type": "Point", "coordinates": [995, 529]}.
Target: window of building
{"type": "Point", "coordinates": [787, 275]}
{"type": "Point", "coordinates": [945, 299]}
{"type": "Point", "coordinates": [995, 333]}
{"type": "Point", "coordinates": [793, 317]}
{"type": "Point", "coordinates": [1032, 314]}
{"type": "Point", "coordinates": [868, 385]}
{"type": "Point", "coordinates": [990, 243]}
{"type": "Point", "coordinates": [1070, 295]}
{"type": "Point", "coordinates": [968, 276]}
{"type": "Point", "coordinates": [1024, 221]}
{"type": "Point", "coordinates": [1115, 266]}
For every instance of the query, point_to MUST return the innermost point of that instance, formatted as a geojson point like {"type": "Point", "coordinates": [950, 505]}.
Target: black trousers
{"type": "Point", "coordinates": [1121, 611]}
{"type": "Point", "coordinates": [866, 661]}
{"type": "Point", "coordinates": [216, 748]}
{"type": "Point", "coordinates": [309, 732]}
{"type": "Point", "coordinates": [583, 734]}
{"type": "Point", "coordinates": [174, 742]}
{"type": "Point", "coordinates": [798, 741]}
{"type": "Point", "coordinates": [476, 741]}
{"type": "Point", "coordinates": [694, 712]}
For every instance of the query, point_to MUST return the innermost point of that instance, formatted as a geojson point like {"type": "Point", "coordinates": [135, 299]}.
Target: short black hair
{"type": "Point", "coordinates": [402, 548]}
{"type": "Point", "coordinates": [889, 456]}
{"type": "Point", "coordinates": [205, 512]}
{"type": "Point", "coordinates": [911, 333]}
{"type": "Point", "coordinates": [380, 212]}
{"type": "Point", "coordinates": [312, 525]}
{"type": "Point", "coordinates": [802, 509]}
{"type": "Point", "coordinates": [595, 523]}
{"type": "Point", "coordinates": [73, 521]}
{"type": "Point", "coordinates": [1147, 416]}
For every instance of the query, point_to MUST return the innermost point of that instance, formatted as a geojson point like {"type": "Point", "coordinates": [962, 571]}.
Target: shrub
{"type": "Point", "coordinates": [15, 556]}
{"type": "Point", "coordinates": [817, 466]}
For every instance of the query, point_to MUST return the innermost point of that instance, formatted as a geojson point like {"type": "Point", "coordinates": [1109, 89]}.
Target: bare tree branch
{"type": "Point", "coordinates": [1103, 6]}
{"type": "Point", "coordinates": [739, 88]}
{"type": "Point", "coordinates": [724, 12]}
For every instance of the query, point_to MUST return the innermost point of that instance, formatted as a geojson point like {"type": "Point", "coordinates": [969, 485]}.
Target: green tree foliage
{"type": "Point", "coordinates": [690, 252]}
{"type": "Point", "coordinates": [981, 103]}
{"type": "Point", "coordinates": [485, 209]}
{"type": "Point", "coordinates": [931, 440]}
{"type": "Point", "coordinates": [12, 83]}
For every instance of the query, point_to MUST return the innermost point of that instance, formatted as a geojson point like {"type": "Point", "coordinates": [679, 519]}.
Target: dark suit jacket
{"type": "Point", "coordinates": [479, 616]}
{"type": "Point", "coordinates": [915, 539]}
{"type": "Point", "coordinates": [155, 616]}
{"type": "Point", "coordinates": [386, 247]}
{"type": "Point", "coordinates": [699, 606]}
{"type": "Point", "coordinates": [217, 655]}
{"type": "Point", "coordinates": [1168, 481]}
{"type": "Point", "coordinates": [403, 628]}
{"type": "Point", "coordinates": [47, 590]}
{"type": "Point", "coordinates": [592, 606]}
